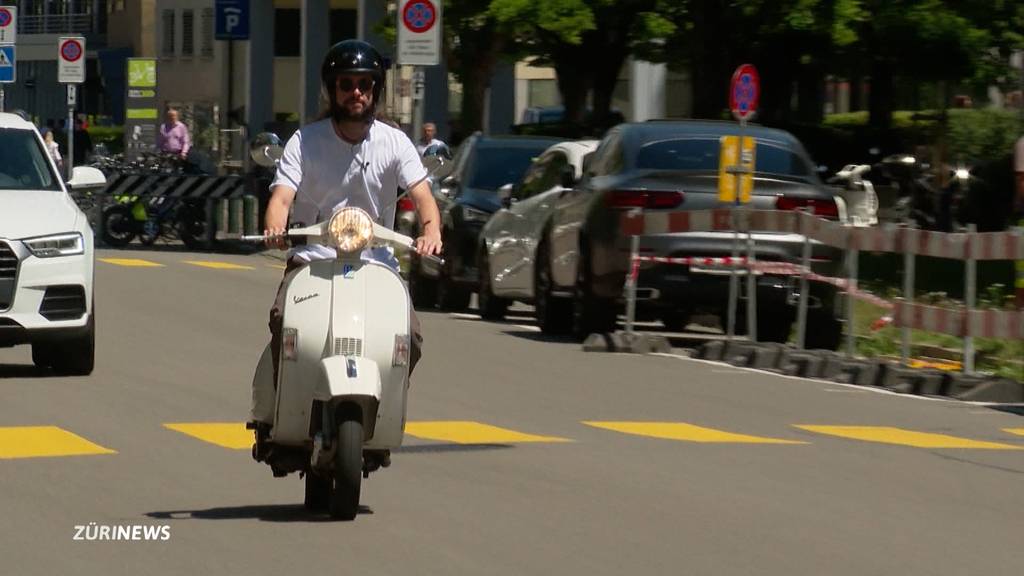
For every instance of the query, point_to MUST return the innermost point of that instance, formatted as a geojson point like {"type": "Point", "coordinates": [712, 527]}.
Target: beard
{"type": "Point", "coordinates": [341, 113]}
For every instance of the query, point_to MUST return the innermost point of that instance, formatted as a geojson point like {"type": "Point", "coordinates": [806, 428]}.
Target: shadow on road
{"type": "Point", "coordinates": [444, 448]}
{"type": "Point", "coordinates": [1017, 409]}
{"type": "Point", "coordinates": [26, 371]}
{"type": "Point", "coordinates": [263, 512]}
{"type": "Point", "coordinates": [541, 337]}
{"type": "Point", "coordinates": [220, 247]}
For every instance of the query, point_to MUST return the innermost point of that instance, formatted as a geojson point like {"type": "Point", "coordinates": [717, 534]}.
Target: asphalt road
{"type": "Point", "coordinates": [633, 464]}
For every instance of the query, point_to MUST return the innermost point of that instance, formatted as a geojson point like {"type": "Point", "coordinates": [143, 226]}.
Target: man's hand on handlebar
{"type": "Point", "coordinates": [429, 244]}
{"type": "Point", "coordinates": [276, 238]}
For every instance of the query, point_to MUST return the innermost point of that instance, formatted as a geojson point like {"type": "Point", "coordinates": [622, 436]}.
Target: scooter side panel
{"type": "Point", "coordinates": [307, 309]}
{"type": "Point", "coordinates": [371, 303]}
{"type": "Point", "coordinates": [263, 396]}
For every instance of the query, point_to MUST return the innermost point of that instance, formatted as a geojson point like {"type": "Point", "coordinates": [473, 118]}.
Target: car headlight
{"type": "Point", "coordinates": [474, 215]}
{"type": "Point", "coordinates": [57, 245]}
{"type": "Point", "coordinates": [351, 229]}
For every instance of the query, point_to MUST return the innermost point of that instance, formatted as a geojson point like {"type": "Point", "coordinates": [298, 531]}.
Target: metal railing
{"type": "Point", "coordinates": [56, 24]}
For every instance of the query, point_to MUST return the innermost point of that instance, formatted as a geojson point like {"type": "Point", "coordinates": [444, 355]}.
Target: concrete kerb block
{"type": "Point", "coordinates": [635, 343]}
{"type": "Point", "coordinates": [801, 363]}
{"type": "Point", "coordinates": [768, 356]}
{"type": "Point", "coordinates": [711, 350]}
{"type": "Point", "coordinates": [738, 353]}
{"type": "Point", "coordinates": [986, 389]}
{"type": "Point", "coordinates": [857, 371]}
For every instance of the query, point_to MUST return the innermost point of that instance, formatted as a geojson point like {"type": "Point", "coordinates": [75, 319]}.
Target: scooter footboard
{"type": "Point", "coordinates": [351, 379]}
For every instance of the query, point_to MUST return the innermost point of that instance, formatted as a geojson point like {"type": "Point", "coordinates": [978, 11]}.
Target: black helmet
{"type": "Point", "coordinates": [353, 56]}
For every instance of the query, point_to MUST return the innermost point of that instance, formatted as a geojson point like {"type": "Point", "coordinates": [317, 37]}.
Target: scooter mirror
{"type": "Point", "coordinates": [433, 163]}
{"type": "Point", "coordinates": [266, 149]}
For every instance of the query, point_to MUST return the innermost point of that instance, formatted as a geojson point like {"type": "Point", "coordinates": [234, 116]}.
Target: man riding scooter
{"type": "Point", "coordinates": [348, 158]}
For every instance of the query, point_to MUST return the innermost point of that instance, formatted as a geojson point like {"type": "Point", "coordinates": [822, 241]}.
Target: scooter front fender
{"type": "Point", "coordinates": [350, 379]}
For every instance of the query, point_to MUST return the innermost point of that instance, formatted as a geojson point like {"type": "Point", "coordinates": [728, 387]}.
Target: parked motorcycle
{"type": "Point", "coordinates": [339, 404]}
{"type": "Point", "coordinates": [150, 218]}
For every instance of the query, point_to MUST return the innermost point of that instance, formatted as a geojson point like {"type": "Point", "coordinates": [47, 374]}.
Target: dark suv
{"type": "Point", "coordinates": [467, 196]}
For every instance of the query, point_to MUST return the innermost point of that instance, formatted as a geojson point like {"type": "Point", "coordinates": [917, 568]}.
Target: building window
{"type": "Point", "coordinates": [206, 42]}
{"type": "Point", "coordinates": [188, 37]}
{"type": "Point", "coordinates": [167, 48]}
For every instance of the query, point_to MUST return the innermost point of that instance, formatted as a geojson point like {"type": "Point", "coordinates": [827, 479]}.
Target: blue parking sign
{"type": "Point", "coordinates": [232, 20]}
{"type": "Point", "coordinates": [7, 63]}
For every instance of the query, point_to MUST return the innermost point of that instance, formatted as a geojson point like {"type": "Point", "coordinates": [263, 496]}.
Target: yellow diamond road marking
{"type": "Point", "coordinates": [41, 441]}
{"type": "Point", "coordinates": [889, 435]}
{"type": "Point", "coordinates": [464, 432]}
{"type": "Point", "coordinates": [686, 432]}
{"type": "Point", "coordinates": [227, 434]}
{"type": "Point", "coordinates": [218, 265]}
{"type": "Point", "coordinates": [1017, 431]}
{"type": "Point", "coordinates": [135, 262]}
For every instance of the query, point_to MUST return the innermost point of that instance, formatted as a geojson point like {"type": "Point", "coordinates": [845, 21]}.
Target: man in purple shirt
{"type": "Point", "coordinates": [173, 136]}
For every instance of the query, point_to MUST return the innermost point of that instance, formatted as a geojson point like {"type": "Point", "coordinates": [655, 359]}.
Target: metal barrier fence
{"type": "Point", "coordinates": [966, 322]}
{"type": "Point", "coordinates": [229, 203]}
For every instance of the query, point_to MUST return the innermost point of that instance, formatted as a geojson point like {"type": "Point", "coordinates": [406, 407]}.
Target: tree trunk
{"type": "Point", "coordinates": [856, 95]}
{"type": "Point", "coordinates": [881, 94]}
{"type": "Point", "coordinates": [605, 80]}
{"type": "Point", "coordinates": [575, 78]}
{"type": "Point", "coordinates": [475, 82]}
{"type": "Point", "coordinates": [811, 95]}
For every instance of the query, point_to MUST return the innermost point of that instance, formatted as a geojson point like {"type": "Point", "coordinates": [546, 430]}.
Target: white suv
{"type": "Point", "coordinates": [46, 254]}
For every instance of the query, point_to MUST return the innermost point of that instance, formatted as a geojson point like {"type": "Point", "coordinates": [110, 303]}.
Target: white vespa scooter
{"type": "Point", "coordinates": [339, 405]}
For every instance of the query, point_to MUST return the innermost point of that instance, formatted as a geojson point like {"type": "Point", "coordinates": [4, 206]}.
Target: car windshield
{"type": "Point", "coordinates": [493, 167]}
{"type": "Point", "coordinates": [701, 154]}
{"type": "Point", "coordinates": [23, 164]}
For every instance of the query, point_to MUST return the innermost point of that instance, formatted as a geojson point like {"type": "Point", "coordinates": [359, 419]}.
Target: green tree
{"type": "Point", "coordinates": [473, 45]}
{"type": "Point", "coordinates": [586, 41]}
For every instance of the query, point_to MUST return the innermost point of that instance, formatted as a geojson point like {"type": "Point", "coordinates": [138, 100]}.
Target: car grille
{"type": "Point", "coordinates": [63, 303]}
{"type": "Point", "coordinates": [8, 273]}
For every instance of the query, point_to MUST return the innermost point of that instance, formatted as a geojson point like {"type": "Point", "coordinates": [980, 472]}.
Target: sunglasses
{"type": "Point", "coordinates": [348, 84]}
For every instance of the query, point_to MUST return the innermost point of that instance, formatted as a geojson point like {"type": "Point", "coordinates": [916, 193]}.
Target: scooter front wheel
{"type": "Point", "coordinates": [348, 468]}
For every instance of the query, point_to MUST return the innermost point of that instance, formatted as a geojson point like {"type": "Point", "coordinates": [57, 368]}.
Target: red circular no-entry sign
{"type": "Point", "coordinates": [744, 92]}
{"type": "Point", "coordinates": [419, 15]}
{"type": "Point", "coordinates": [71, 50]}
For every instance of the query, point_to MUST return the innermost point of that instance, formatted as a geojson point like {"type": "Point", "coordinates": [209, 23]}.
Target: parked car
{"type": "Point", "coordinates": [467, 195]}
{"type": "Point", "coordinates": [509, 240]}
{"type": "Point", "coordinates": [46, 254]}
{"type": "Point", "coordinates": [667, 166]}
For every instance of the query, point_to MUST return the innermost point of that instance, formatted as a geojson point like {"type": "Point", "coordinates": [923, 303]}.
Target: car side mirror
{"type": "Point", "coordinates": [83, 177]}
{"type": "Point", "coordinates": [505, 195]}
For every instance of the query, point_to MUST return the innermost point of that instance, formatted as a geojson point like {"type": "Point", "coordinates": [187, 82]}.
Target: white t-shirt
{"type": "Point", "coordinates": [421, 147]}
{"type": "Point", "coordinates": [327, 172]}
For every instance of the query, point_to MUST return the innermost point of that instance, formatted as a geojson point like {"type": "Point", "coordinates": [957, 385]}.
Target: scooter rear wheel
{"type": "Point", "coordinates": [348, 468]}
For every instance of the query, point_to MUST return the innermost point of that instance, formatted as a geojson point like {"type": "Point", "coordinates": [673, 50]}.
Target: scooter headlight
{"type": "Point", "coordinates": [351, 229]}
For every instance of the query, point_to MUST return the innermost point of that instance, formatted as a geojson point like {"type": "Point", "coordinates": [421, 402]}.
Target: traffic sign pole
{"type": "Point", "coordinates": [744, 94]}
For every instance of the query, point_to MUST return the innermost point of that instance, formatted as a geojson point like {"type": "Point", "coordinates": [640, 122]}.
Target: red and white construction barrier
{"type": "Point", "coordinates": [764, 267]}
{"type": "Point", "coordinates": [1007, 245]}
{"type": "Point", "coordinates": [965, 246]}
{"type": "Point", "coordinates": [1003, 324]}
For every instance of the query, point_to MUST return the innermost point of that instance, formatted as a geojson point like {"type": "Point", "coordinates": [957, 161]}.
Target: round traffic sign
{"type": "Point", "coordinates": [71, 50]}
{"type": "Point", "coordinates": [5, 17]}
{"type": "Point", "coordinates": [744, 92]}
{"type": "Point", "coordinates": [419, 15]}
